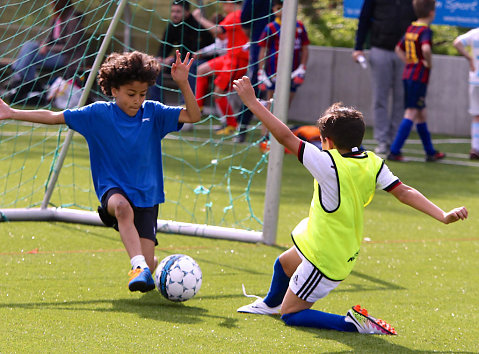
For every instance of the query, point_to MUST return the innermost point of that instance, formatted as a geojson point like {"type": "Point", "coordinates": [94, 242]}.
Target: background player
{"type": "Point", "coordinates": [415, 49]}
{"type": "Point", "coordinates": [471, 40]}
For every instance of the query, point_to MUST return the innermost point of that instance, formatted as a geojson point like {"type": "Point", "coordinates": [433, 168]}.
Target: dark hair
{"type": "Point", "coordinates": [343, 125]}
{"type": "Point", "coordinates": [277, 3]}
{"type": "Point", "coordinates": [422, 8]}
{"type": "Point", "coordinates": [122, 68]}
{"type": "Point", "coordinates": [184, 3]}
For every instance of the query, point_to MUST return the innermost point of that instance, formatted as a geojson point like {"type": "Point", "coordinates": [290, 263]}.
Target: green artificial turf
{"type": "Point", "coordinates": [64, 288]}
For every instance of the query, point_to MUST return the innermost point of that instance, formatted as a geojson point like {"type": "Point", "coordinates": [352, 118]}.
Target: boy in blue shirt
{"type": "Point", "coordinates": [415, 50]}
{"type": "Point", "coordinates": [124, 141]}
{"type": "Point", "coordinates": [326, 244]}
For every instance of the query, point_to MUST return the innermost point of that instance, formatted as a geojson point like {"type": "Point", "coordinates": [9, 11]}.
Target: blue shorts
{"type": "Point", "coordinates": [415, 94]}
{"type": "Point", "coordinates": [145, 219]}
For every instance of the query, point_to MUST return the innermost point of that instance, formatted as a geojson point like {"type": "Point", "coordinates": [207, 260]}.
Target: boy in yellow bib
{"type": "Point", "coordinates": [326, 244]}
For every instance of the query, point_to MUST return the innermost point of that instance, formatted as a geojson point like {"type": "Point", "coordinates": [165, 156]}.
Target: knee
{"type": "Point", "coordinates": [123, 210]}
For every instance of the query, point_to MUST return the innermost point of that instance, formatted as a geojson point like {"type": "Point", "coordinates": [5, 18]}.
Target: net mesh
{"type": "Point", "coordinates": [209, 179]}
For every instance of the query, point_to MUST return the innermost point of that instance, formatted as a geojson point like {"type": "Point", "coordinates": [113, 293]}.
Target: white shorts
{"type": "Point", "coordinates": [308, 283]}
{"type": "Point", "coordinates": [474, 100]}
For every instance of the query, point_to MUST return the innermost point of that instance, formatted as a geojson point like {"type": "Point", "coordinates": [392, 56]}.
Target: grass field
{"type": "Point", "coordinates": [64, 287]}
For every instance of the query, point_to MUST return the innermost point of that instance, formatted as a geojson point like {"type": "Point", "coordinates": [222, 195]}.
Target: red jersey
{"type": "Point", "coordinates": [235, 35]}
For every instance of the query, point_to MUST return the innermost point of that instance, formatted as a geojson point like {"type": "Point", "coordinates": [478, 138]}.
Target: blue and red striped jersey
{"type": "Point", "coordinates": [270, 39]}
{"type": "Point", "coordinates": [416, 35]}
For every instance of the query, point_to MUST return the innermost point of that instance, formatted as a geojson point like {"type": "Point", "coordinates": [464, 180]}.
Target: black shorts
{"type": "Point", "coordinates": [145, 219]}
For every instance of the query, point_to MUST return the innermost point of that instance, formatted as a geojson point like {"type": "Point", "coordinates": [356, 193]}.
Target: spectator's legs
{"type": "Point", "coordinates": [24, 70]}
{"type": "Point", "coordinates": [155, 93]}
{"type": "Point", "coordinates": [397, 98]}
{"type": "Point", "coordinates": [202, 81]}
{"type": "Point", "coordinates": [384, 72]}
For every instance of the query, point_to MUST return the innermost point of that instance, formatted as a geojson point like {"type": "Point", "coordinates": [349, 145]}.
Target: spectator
{"type": "Point", "coordinates": [415, 50]}
{"type": "Point", "coordinates": [386, 22]}
{"type": "Point", "coordinates": [62, 48]}
{"type": "Point", "coordinates": [225, 68]}
{"type": "Point", "coordinates": [471, 40]}
{"type": "Point", "coordinates": [185, 34]}
{"type": "Point", "coordinates": [255, 15]}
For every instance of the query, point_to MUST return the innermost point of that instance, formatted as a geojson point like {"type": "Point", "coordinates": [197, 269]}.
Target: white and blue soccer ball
{"type": "Point", "coordinates": [178, 277]}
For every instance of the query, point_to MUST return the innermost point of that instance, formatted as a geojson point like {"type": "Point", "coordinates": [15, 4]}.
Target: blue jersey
{"type": "Point", "coordinates": [125, 152]}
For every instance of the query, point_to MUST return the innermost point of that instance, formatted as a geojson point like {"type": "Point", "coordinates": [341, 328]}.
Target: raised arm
{"type": "Point", "coordinates": [35, 116]}
{"type": "Point", "coordinates": [279, 130]}
{"type": "Point", "coordinates": [214, 29]}
{"type": "Point", "coordinates": [179, 73]}
{"type": "Point", "coordinates": [415, 199]}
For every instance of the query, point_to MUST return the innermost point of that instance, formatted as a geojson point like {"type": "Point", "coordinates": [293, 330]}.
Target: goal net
{"type": "Point", "coordinates": [214, 185]}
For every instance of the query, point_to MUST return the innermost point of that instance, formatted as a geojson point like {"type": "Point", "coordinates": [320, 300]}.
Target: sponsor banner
{"type": "Point", "coordinates": [464, 13]}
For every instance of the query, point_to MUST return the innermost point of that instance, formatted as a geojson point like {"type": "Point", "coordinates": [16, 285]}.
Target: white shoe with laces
{"type": "Point", "coordinates": [259, 307]}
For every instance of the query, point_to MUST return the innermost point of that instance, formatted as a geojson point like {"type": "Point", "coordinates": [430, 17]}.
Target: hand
{"type": "Point", "coordinates": [356, 54]}
{"type": "Point", "coordinates": [263, 80]}
{"type": "Point", "coordinates": [298, 74]}
{"type": "Point", "coordinates": [245, 90]}
{"type": "Point", "coordinates": [180, 69]}
{"type": "Point", "coordinates": [197, 14]}
{"type": "Point", "coordinates": [455, 214]}
{"type": "Point", "coordinates": [472, 67]}
{"type": "Point", "coordinates": [5, 110]}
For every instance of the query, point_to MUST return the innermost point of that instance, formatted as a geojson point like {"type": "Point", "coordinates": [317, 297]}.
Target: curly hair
{"type": "Point", "coordinates": [122, 68]}
{"type": "Point", "coordinates": [343, 125]}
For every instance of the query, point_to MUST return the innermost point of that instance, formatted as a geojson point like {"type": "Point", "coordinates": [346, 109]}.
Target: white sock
{"type": "Point", "coordinates": [138, 261]}
{"type": "Point", "coordinates": [475, 135]}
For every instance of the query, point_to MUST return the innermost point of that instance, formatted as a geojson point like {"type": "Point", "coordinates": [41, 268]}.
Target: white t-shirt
{"type": "Point", "coordinates": [471, 40]}
{"type": "Point", "coordinates": [321, 167]}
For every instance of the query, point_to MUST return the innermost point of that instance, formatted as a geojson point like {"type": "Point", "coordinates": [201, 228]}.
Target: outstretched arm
{"type": "Point", "coordinates": [415, 199]}
{"type": "Point", "coordinates": [35, 116]}
{"type": "Point", "coordinates": [179, 72]}
{"type": "Point", "coordinates": [279, 130]}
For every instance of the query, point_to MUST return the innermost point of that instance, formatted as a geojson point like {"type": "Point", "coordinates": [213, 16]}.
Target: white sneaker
{"type": "Point", "coordinates": [260, 308]}
{"type": "Point", "coordinates": [367, 324]}
{"type": "Point", "coordinates": [381, 149]}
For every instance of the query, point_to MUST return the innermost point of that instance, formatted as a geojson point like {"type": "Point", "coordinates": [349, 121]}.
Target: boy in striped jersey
{"type": "Point", "coordinates": [326, 244]}
{"type": "Point", "coordinates": [415, 49]}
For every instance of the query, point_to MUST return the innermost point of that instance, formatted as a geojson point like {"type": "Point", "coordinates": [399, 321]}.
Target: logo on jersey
{"type": "Point", "coordinates": [145, 120]}
{"type": "Point", "coordinates": [353, 257]}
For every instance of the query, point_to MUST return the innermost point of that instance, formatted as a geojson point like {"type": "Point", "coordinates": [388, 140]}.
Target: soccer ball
{"type": "Point", "coordinates": [178, 277]}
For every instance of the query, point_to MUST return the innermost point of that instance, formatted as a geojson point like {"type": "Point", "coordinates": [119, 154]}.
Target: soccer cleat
{"type": "Point", "coordinates": [141, 280]}
{"type": "Point", "coordinates": [367, 324]}
{"type": "Point", "coordinates": [437, 156]}
{"type": "Point", "coordinates": [260, 308]}
{"type": "Point", "coordinates": [228, 130]}
{"type": "Point", "coordinates": [396, 157]}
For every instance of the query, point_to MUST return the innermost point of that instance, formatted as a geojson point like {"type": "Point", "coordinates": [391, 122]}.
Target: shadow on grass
{"type": "Point", "coordinates": [150, 306]}
{"type": "Point", "coordinates": [362, 343]}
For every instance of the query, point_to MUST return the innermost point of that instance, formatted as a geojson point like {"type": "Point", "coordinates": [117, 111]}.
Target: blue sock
{"type": "Point", "coordinates": [318, 319]}
{"type": "Point", "coordinates": [279, 285]}
{"type": "Point", "coordinates": [425, 138]}
{"type": "Point", "coordinates": [401, 136]}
